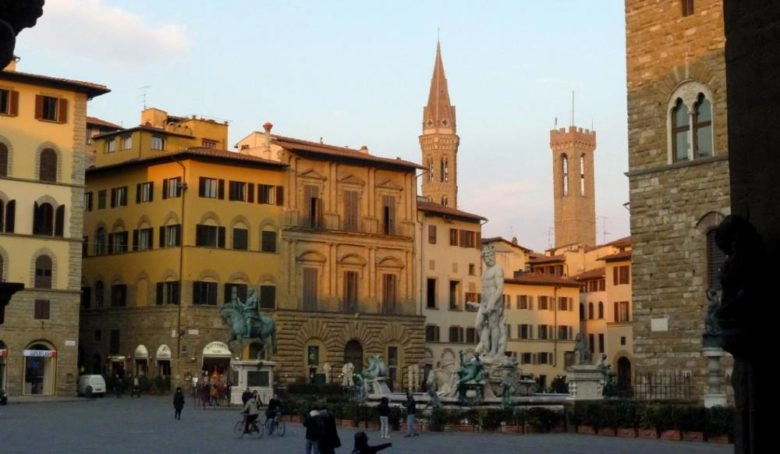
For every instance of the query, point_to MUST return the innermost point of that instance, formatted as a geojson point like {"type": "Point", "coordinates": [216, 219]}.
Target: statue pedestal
{"type": "Point", "coordinates": [713, 397]}
{"type": "Point", "coordinates": [255, 375]}
{"type": "Point", "coordinates": [378, 387]}
{"type": "Point", "coordinates": [585, 382]}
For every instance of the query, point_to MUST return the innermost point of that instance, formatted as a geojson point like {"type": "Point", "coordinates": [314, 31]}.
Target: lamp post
{"type": "Point", "coordinates": [182, 191]}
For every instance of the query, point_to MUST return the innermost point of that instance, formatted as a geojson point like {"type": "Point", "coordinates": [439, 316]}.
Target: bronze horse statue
{"type": "Point", "coordinates": [264, 328]}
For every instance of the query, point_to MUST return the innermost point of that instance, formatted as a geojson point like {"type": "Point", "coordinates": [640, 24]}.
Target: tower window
{"type": "Point", "coordinates": [582, 174]}
{"type": "Point", "coordinates": [565, 174]}
{"type": "Point", "coordinates": [687, 7]}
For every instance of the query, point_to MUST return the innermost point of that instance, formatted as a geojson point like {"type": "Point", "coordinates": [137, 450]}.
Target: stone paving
{"type": "Point", "coordinates": [146, 425]}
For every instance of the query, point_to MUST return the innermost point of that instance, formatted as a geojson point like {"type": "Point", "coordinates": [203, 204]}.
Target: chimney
{"type": "Point", "coordinates": [363, 149]}
{"type": "Point", "coordinates": [267, 126]}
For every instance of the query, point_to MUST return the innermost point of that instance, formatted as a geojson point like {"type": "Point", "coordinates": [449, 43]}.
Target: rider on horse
{"type": "Point", "coordinates": [249, 311]}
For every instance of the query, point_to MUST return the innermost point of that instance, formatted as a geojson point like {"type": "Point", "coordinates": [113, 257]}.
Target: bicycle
{"type": "Point", "coordinates": [254, 428]}
{"type": "Point", "coordinates": [275, 425]}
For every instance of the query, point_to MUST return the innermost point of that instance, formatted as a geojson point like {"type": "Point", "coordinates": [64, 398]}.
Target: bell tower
{"type": "Point", "coordinates": [439, 141]}
{"type": "Point", "coordinates": [574, 195]}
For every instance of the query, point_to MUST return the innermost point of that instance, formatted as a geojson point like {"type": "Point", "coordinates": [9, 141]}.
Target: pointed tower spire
{"type": "Point", "coordinates": [439, 113]}
{"type": "Point", "coordinates": [439, 141]}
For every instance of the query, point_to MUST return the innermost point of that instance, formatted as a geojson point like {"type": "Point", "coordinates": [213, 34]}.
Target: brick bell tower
{"type": "Point", "coordinates": [439, 141]}
{"type": "Point", "coordinates": [574, 186]}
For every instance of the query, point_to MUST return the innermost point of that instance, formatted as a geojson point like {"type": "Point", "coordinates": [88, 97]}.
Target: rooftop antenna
{"type": "Point", "coordinates": [555, 123]}
{"type": "Point", "coordinates": [143, 93]}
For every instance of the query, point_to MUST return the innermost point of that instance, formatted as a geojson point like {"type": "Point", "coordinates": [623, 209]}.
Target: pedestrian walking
{"type": "Point", "coordinates": [384, 418]}
{"type": "Point", "coordinates": [178, 403]}
{"type": "Point", "coordinates": [330, 436]}
{"type": "Point", "coordinates": [411, 416]}
{"type": "Point", "coordinates": [314, 432]}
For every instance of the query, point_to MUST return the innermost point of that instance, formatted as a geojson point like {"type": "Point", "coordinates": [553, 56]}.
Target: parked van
{"type": "Point", "coordinates": [91, 385]}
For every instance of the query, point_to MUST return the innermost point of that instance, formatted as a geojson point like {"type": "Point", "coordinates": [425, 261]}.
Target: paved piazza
{"type": "Point", "coordinates": [146, 425]}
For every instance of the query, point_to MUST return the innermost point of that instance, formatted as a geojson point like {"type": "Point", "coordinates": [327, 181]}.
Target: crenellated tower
{"type": "Point", "coordinates": [439, 141]}
{"type": "Point", "coordinates": [574, 195]}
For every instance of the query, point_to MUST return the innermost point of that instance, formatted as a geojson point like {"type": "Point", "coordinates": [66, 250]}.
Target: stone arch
{"type": "Point", "coordinates": [311, 256]}
{"type": "Point", "coordinates": [359, 331]}
{"type": "Point", "coordinates": [709, 221]}
{"type": "Point", "coordinates": [208, 274]}
{"type": "Point", "coordinates": [54, 264]}
{"type": "Point", "coordinates": [316, 329]}
{"type": "Point", "coordinates": [210, 216]}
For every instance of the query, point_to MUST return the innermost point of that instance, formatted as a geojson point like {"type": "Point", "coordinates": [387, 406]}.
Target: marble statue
{"type": "Point", "coordinates": [432, 390]}
{"type": "Point", "coordinates": [491, 321]}
{"type": "Point", "coordinates": [581, 350]}
{"type": "Point", "coordinates": [347, 371]}
{"type": "Point", "coordinates": [326, 370]}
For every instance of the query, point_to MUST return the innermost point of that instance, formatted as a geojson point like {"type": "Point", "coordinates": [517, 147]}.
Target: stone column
{"type": "Point", "coordinates": [714, 396]}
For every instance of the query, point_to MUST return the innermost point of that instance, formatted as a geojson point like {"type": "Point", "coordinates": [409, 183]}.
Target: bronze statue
{"type": "Point", "coordinates": [15, 15]}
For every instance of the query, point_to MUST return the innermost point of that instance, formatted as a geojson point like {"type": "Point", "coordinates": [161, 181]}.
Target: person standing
{"type": "Point", "coordinates": [362, 446]}
{"type": "Point", "coordinates": [411, 416]}
{"type": "Point", "coordinates": [314, 432]}
{"type": "Point", "coordinates": [178, 403]}
{"type": "Point", "coordinates": [384, 418]}
{"type": "Point", "coordinates": [330, 436]}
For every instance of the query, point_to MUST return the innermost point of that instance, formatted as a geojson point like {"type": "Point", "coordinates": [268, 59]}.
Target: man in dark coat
{"type": "Point", "coordinates": [330, 438]}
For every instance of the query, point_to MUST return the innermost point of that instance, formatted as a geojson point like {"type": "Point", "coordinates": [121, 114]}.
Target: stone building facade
{"type": "Point", "coordinates": [678, 176]}
{"type": "Point", "coordinates": [42, 143]}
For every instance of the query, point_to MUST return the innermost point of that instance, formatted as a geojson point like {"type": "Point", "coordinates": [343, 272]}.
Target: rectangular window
{"type": "Point", "coordinates": [9, 102]}
{"type": "Point", "coordinates": [42, 309]}
{"type": "Point", "coordinates": [621, 275]}
{"type": "Point", "coordinates": [113, 342]}
{"type": "Point", "coordinates": [50, 108]}
{"type": "Point", "coordinates": [268, 297]}
{"type": "Point", "coordinates": [111, 145]}
{"type": "Point", "coordinates": [524, 331]}
{"type": "Point", "coordinates": [622, 314]}
{"type": "Point", "coordinates": [206, 143]}
{"type": "Point", "coordinates": [204, 293]}
{"type": "Point", "coordinates": [456, 335]}
{"type": "Point", "coordinates": [563, 303]}
{"type": "Point", "coordinates": [280, 195]}
{"type": "Point", "coordinates": [88, 201]}
{"type": "Point", "coordinates": [240, 239]}
{"type": "Point", "coordinates": [310, 289]}
{"type": "Point", "coordinates": [101, 199]}
{"type": "Point", "coordinates": [431, 234]}
{"type": "Point", "coordinates": [453, 237]}
{"type": "Point", "coordinates": [170, 235]}
{"type": "Point", "coordinates": [144, 192]}
{"type": "Point", "coordinates": [172, 188]}
{"type": "Point", "coordinates": [127, 142]}
{"type": "Point", "coordinates": [158, 142]}
{"type": "Point", "coordinates": [430, 294]}
{"type": "Point", "coordinates": [455, 296]}
{"type": "Point", "coordinates": [431, 333]}
{"type": "Point", "coordinates": [351, 200]}
{"type": "Point", "coordinates": [209, 236]}
{"type": "Point", "coordinates": [687, 7]}
{"type": "Point", "coordinates": [563, 332]}
{"type": "Point", "coordinates": [117, 242]}
{"type": "Point", "coordinates": [313, 205]}
{"type": "Point", "coordinates": [167, 293]}
{"type": "Point", "coordinates": [601, 342]}
{"type": "Point", "coordinates": [119, 197]}
{"type": "Point", "coordinates": [543, 332]}
{"type": "Point", "coordinates": [265, 194]}
{"type": "Point", "coordinates": [542, 303]}
{"type": "Point", "coordinates": [467, 238]}
{"type": "Point", "coordinates": [268, 241]}
{"type": "Point", "coordinates": [388, 215]}
{"type": "Point", "coordinates": [471, 336]}
{"type": "Point", "coordinates": [209, 187]}
{"type": "Point", "coordinates": [351, 280]}
{"type": "Point", "coordinates": [237, 191]}
{"type": "Point", "coordinates": [591, 342]}
{"type": "Point", "coordinates": [526, 358]}
{"type": "Point", "coordinates": [523, 302]}
{"type": "Point", "coordinates": [142, 239]}
{"type": "Point", "coordinates": [118, 295]}
{"type": "Point", "coordinates": [389, 293]}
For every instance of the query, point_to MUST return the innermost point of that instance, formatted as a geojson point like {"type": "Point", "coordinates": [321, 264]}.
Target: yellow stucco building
{"type": "Point", "coordinates": [42, 154]}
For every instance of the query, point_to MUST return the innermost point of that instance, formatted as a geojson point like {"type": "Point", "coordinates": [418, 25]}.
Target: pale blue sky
{"type": "Point", "coordinates": [357, 73]}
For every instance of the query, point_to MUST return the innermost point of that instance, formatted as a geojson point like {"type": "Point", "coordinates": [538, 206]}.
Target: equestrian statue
{"type": "Point", "coordinates": [246, 322]}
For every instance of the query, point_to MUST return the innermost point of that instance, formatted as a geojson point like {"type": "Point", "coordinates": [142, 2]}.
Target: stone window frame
{"type": "Point", "coordinates": [688, 92]}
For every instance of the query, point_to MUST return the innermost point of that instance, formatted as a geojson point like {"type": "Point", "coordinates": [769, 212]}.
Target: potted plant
{"type": "Point", "coordinates": [692, 422]}
{"type": "Point", "coordinates": [626, 418]}
{"type": "Point", "coordinates": [646, 420]}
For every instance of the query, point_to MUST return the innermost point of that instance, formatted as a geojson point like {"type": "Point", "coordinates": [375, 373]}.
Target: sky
{"type": "Point", "coordinates": [356, 73]}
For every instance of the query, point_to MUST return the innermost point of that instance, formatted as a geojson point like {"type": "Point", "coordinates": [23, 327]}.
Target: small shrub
{"type": "Point", "coordinates": [543, 419]}
{"type": "Point", "coordinates": [439, 419]}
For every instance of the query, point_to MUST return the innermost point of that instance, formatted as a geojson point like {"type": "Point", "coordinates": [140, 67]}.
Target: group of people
{"type": "Point", "coordinates": [322, 436]}
{"type": "Point", "coordinates": [252, 404]}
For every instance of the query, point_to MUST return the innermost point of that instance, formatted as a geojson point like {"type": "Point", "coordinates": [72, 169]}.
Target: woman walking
{"type": "Point", "coordinates": [178, 403]}
{"type": "Point", "coordinates": [384, 418]}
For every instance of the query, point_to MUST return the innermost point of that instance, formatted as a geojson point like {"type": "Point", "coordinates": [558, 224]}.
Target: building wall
{"type": "Point", "coordinates": [25, 137]}
{"type": "Point", "coordinates": [672, 204]}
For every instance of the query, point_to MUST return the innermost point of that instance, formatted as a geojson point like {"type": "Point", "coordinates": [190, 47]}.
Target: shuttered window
{"type": "Point", "coordinates": [351, 211]}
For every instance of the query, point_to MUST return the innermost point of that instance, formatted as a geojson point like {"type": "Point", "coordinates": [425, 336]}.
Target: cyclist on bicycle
{"type": "Point", "coordinates": [274, 407]}
{"type": "Point", "coordinates": [251, 411]}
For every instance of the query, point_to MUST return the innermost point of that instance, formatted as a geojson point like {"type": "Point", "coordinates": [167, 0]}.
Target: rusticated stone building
{"type": "Point", "coordinates": [678, 176]}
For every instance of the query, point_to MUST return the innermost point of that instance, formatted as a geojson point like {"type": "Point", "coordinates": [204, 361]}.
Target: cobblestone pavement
{"type": "Point", "coordinates": [146, 425]}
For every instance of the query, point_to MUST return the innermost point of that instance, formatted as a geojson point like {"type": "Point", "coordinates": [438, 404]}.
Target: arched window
{"type": "Point", "coordinates": [444, 201]}
{"type": "Point", "coordinates": [601, 310]}
{"type": "Point", "coordinates": [7, 216]}
{"type": "Point", "coordinates": [101, 242]}
{"type": "Point", "coordinates": [582, 311]}
{"type": "Point", "coordinates": [430, 171]}
{"type": "Point", "coordinates": [702, 127]}
{"type": "Point", "coordinates": [3, 160]}
{"type": "Point", "coordinates": [353, 353]}
{"type": "Point", "coordinates": [582, 174]}
{"type": "Point", "coordinates": [590, 311]}
{"type": "Point", "coordinates": [680, 131]}
{"type": "Point", "coordinates": [43, 272]}
{"type": "Point", "coordinates": [565, 174]}
{"type": "Point", "coordinates": [715, 259]}
{"type": "Point", "coordinates": [48, 165]}
{"type": "Point", "coordinates": [100, 294]}
{"type": "Point", "coordinates": [43, 219]}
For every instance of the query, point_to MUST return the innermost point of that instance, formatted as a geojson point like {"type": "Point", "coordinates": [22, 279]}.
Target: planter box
{"type": "Point", "coordinates": [464, 428]}
{"type": "Point", "coordinates": [693, 436]}
{"type": "Point", "coordinates": [721, 439]}
{"type": "Point", "coordinates": [348, 423]}
{"type": "Point", "coordinates": [512, 429]}
{"type": "Point", "coordinates": [626, 432]}
{"type": "Point", "coordinates": [671, 434]}
{"type": "Point", "coordinates": [587, 430]}
{"type": "Point", "coordinates": [607, 431]}
{"type": "Point", "coordinates": [646, 433]}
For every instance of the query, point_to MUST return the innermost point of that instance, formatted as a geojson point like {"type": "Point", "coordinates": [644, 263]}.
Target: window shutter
{"type": "Point", "coordinates": [151, 191]}
{"type": "Point", "coordinates": [221, 190]}
{"type": "Point", "coordinates": [135, 239]}
{"type": "Point", "coordinates": [138, 193]}
{"type": "Point", "coordinates": [220, 237]}
{"type": "Point", "coordinates": [162, 236]}
{"type": "Point", "coordinates": [62, 114]}
{"type": "Point", "coordinates": [13, 103]}
{"type": "Point", "coordinates": [165, 189]}
{"type": "Point", "coordinates": [59, 222]}
{"type": "Point", "coordinates": [38, 107]}
{"type": "Point", "coordinates": [159, 296]}
{"type": "Point", "coordinates": [36, 218]}
{"type": "Point", "coordinates": [251, 193]}
{"type": "Point", "coordinates": [280, 195]}
{"type": "Point", "coordinates": [615, 315]}
{"type": "Point", "coordinates": [10, 216]}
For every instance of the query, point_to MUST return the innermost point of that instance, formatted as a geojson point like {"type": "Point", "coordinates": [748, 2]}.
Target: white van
{"type": "Point", "coordinates": [91, 385]}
